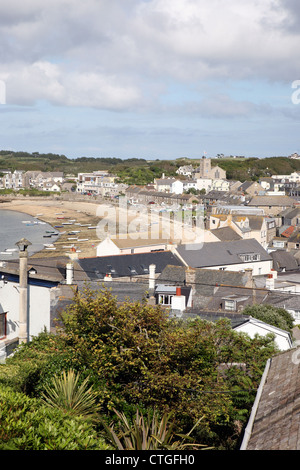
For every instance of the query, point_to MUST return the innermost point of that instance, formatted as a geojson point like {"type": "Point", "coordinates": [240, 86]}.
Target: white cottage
{"type": "Point", "coordinates": [252, 326]}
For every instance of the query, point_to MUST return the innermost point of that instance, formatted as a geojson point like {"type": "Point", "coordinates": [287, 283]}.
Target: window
{"type": "Point", "coordinates": [132, 270]}
{"type": "Point", "coordinates": [2, 324]}
{"type": "Point", "coordinates": [246, 257]}
{"type": "Point", "coordinates": [278, 244]}
{"type": "Point", "coordinates": [165, 299]}
{"type": "Point", "coordinates": [230, 305]}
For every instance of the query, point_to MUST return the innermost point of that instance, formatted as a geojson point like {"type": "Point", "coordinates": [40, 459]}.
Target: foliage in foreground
{"type": "Point", "coordinates": [146, 433]}
{"type": "Point", "coordinates": [136, 358]}
{"type": "Point", "coordinates": [26, 424]}
{"type": "Point", "coordinates": [66, 393]}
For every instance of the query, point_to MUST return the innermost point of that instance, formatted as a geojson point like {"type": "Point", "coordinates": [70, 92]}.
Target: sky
{"type": "Point", "coordinates": [154, 79]}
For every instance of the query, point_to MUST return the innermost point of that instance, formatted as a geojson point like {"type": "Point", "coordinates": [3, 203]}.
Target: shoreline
{"type": "Point", "coordinates": [51, 212]}
{"type": "Point", "coordinates": [77, 223]}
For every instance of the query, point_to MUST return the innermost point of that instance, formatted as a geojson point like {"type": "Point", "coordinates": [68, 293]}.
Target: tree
{"type": "Point", "coordinates": [141, 357]}
{"type": "Point", "coordinates": [136, 357]}
{"type": "Point", "coordinates": [275, 316]}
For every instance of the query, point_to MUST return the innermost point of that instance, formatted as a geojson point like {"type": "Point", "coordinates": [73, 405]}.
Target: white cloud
{"type": "Point", "coordinates": [119, 54]}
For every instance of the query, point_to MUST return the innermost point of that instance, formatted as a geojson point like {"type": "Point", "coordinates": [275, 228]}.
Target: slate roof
{"type": "Point", "coordinates": [220, 253]}
{"type": "Point", "coordinates": [226, 234]}
{"type": "Point", "coordinates": [211, 286]}
{"type": "Point", "coordinates": [283, 300]}
{"type": "Point", "coordinates": [275, 422]}
{"type": "Point", "coordinates": [284, 260]}
{"type": "Point", "coordinates": [135, 264]}
{"type": "Point", "coordinates": [272, 201]}
{"type": "Point", "coordinates": [212, 316]}
{"type": "Point", "coordinates": [50, 269]}
{"type": "Point", "coordinates": [123, 291]}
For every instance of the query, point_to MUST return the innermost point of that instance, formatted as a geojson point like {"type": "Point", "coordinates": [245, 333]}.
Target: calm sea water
{"type": "Point", "coordinates": [13, 228]}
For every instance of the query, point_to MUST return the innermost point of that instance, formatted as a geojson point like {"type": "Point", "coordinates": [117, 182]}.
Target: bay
{"type": "Point", "coordinates": [13, 228]}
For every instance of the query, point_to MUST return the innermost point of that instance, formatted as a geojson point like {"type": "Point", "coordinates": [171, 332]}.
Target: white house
{"type": "Point", "coordinates": [169, 185]}
{"type": "Point", "coordinates": [204, 183]}
{"type": "Point", "coordinates": [190, 184]}
{"type": "Point", "coordinates": [119, 246]}
{"type": "Point", "coordinates": [185, 170]}
{"type": "Point", "coordinates": [252, 326]}
{"type": "Point", "coordinates": [238, 255]}
{"type": "Point", "coordinates": [51, 186]}
{"type": "Point", "coordinates": [47, 294]}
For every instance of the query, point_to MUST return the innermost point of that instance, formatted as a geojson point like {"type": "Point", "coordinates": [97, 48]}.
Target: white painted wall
{"type": "Point", "coordinates": [107, 248]}
{"type": "Point", "coordinates": [258, 268]}
{"type": "Point", "coordinates": [38, 308]}
{"type": "Point", "coordinates": [256, 327]}
{"type": "Point", "coordinates": [177, 187]}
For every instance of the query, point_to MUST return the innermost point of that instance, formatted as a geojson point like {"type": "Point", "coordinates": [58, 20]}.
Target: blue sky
{"type": "Point", "coordinates": [150, 79]}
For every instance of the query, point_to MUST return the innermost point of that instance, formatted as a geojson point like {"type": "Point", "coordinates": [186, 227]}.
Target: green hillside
{"type": "Point", "coordinates": [142, 171]}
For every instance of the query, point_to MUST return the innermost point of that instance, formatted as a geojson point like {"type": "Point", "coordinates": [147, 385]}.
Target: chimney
{"type": "Point", "coordinates": [190, 276]}
{"type": "Point", "coordinates": [274, 273]}
{"type": "Point", "coordinates": [270, 282]}
{"type": "Point", "coordinates": [152, 268]}
{"type": "Point", "coordinates": [178, 301]}
{"type": "Point", "coordinates": [248, 278]}
{"type": "Point", "coordinates": [69, 274]}
{"type": "Point", "coordinates": [23, 290]}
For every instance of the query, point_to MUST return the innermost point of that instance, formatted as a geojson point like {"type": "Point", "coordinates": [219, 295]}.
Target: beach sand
{"type": "Point", "coordinates": [52, 211]}
{"type": "Point", "coordinates": [80, 215]}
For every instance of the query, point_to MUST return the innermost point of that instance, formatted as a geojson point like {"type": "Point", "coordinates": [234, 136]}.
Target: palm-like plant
{"type": "Point", "coordinates": [66, 393]}
{"type": "Point", "coordinates": [148, 434]}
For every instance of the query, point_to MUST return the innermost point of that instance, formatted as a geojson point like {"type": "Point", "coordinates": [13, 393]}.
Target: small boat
{"type": "Point", "coordinates": [58, 226]}
{"type": "Point", "coordinates": [83, 239]}
{"type": "Point", "coordinates": [47, 236]}
{"type": "Point", "coordinates": [11, 249]}
{"type": "Point", "coordinates": [5, 253]}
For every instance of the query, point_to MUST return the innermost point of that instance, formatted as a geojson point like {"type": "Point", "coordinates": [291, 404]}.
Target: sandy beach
{"type": "Point", "coordinates": [66, 216]}
{"type": "Point", "coordinates": [79, 223]}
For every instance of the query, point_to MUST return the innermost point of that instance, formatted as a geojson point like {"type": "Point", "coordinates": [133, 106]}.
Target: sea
{"type": "Point", "coordinates": [16, 225]}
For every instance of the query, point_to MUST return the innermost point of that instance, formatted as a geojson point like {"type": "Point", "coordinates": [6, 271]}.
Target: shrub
{"type": "Point", "coordinates": [27, 424]}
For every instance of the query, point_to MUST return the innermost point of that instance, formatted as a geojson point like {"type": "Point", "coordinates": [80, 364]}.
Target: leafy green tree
{"type": "Point", "coordinates": [275, 316]}
{"type": "Point", "coordinates": [145, 358]}
{"type": "Point", "coordinates": [135, 356]}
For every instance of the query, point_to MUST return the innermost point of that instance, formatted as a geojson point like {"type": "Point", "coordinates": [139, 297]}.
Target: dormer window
{"type": "Point", "coordinates": [132, 270]}
{"type": "Point", "coordinates": [230, 305]}
{"type": "Point", "coordinates": [247, 257]}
